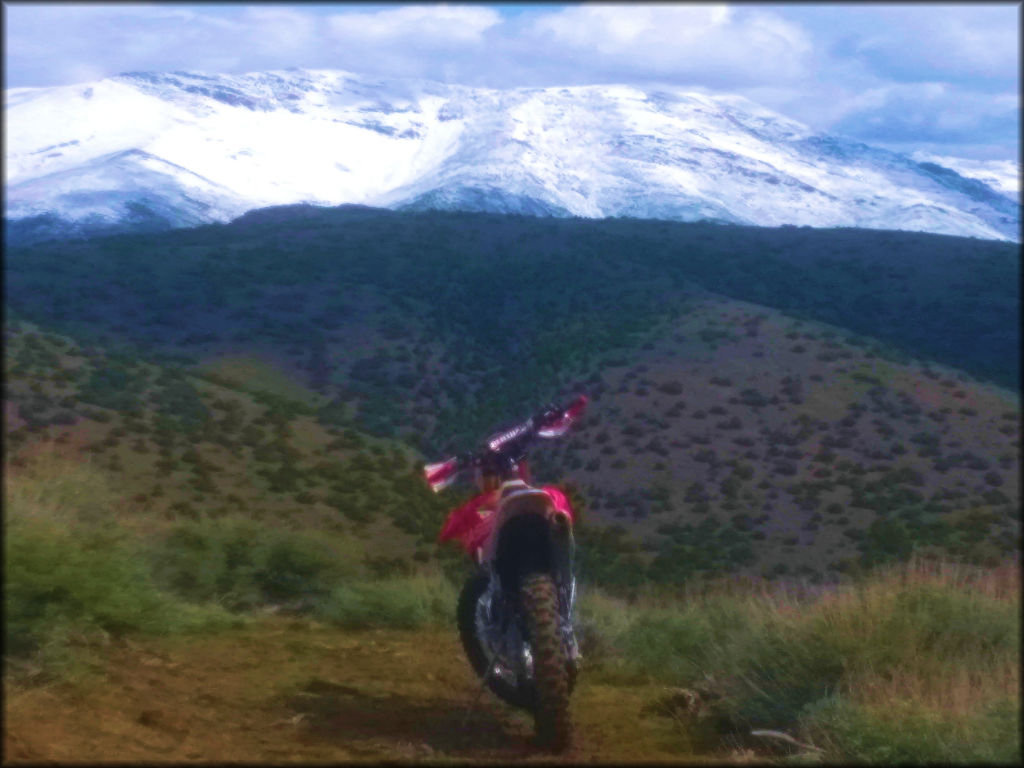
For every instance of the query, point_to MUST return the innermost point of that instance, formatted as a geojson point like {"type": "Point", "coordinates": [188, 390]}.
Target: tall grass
{"type": "Point", "coordinates": [72, 575]}
{"type": "Point", "coordinates": [913, 663]}
{"type": "Point", "coordinates": [76, 574]}
{"type": "Point", "coordinates": [241, 565]}
{"type": "Point", "coordinates": [404, 602]}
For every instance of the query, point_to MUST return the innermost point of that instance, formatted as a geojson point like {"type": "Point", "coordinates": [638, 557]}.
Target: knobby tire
{"type": "Point", "coordinates": [539, 601]}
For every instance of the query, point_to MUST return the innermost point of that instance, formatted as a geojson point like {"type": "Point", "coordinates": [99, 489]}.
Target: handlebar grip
{"type": "Point", "coordinates": [441, 474]}
{"type": "Point", "coordinates": [576, 407]}
{"type": "Point", "coordinates": [555, 422]}
{"type": "Point", "coordinates": [553, 414]}
{"type": "Point", "coordinates": [551, 422]}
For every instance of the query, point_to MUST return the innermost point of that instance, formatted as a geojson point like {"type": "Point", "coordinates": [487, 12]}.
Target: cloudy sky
{"type": "Point", "coordinates": [940, 77]}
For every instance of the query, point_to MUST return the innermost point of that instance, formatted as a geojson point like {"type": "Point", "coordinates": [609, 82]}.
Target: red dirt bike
{"type": "Point", "coordinates": [515, 615]}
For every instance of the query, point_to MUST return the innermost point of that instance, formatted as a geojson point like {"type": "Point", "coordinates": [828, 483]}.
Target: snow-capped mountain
{"type": "Point", "coordinates": [1002, 175]}
{"type": "Point", "coordinates": [145, 150]}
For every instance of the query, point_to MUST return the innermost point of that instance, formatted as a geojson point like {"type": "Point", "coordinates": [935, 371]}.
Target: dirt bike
{"type": "Point", "coordinates": [515, 615]}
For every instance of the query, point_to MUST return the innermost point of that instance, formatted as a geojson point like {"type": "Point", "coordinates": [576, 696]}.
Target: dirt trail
{"type": "Point", "coordinates": [292, 690]}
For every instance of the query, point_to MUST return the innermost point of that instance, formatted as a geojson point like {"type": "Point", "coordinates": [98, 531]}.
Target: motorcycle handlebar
{"type": "Point", "coordinates": [553, 419]}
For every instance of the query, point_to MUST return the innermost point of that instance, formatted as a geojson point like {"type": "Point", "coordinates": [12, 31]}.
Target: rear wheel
{"type": "Point", "coordinates": [539, 600]}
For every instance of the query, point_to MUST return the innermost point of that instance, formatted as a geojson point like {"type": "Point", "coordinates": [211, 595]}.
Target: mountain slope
{"type": "Point", "coordinates": [573, 289]}
{"type": "Point", "coordinates": [723, 435]}
{"type": "Point", "coordinates": [130, 190]}
{"type": "Point", "coordinates": [328, 138]}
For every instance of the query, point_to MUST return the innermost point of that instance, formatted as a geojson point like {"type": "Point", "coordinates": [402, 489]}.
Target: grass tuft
{"type": "Point", "coordinates": [408, 602]}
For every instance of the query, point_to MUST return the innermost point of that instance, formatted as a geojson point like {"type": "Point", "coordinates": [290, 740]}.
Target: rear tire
{"type": "Point", "coordinates": [539, 600]}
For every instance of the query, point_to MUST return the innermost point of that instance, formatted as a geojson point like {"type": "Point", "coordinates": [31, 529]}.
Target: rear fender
{"type": "Point", "coordinates": [531, 536]}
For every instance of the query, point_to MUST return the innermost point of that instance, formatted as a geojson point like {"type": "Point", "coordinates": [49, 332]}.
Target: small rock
{"type": "Point", "coordinates": [150, 718]}
{"type": "Point", "coordinates": [158, 719]}
{"type": "Point", "coordinates": [675, 702]}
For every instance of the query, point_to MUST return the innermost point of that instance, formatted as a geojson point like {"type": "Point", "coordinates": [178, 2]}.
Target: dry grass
{"type": "Point", "coordinates": [999, 583]}
{"type": "Point", "coordinates": [52, 481]}
{"type": "Point", "coordinates": [936, 642]}
{"type": "Point", "coordinates": [957, 693]}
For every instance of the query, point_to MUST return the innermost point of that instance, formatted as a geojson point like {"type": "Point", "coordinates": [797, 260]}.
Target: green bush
{"type": "Point", "coordinates": [600, 625]}
{"type": "Point", "coordinates": [71, 575]}
{"type": "Point", "coordinates": [812, 667]}
{"type": "Point", "coordinates": [408, 602]}
{"type": "Point", "coordinates": [679, 641]}
{"type": "Point", "coordinates": [242, 564]}
{"type": "Point", "coordinates": [954, 625]}
{"type": "Point", "coordinates": [58, 577]}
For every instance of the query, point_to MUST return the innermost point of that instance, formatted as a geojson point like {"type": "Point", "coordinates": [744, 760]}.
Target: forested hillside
{"type": "Point", "coordinates": [766, 401]}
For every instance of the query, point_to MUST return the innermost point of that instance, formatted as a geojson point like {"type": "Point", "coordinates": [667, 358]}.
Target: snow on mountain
{"type": "Point", "coordinates": [130, 184]}
{"type": "Point", "coordinates": [1002, 175]}
{"type": "Point", "coordinates": [180, 149]}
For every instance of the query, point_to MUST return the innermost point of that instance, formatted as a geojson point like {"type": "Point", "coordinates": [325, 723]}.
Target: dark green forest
{"type": "Point", "coordinates": [522, 305]}
{"type": "Point", "coordinates": [781, 401]}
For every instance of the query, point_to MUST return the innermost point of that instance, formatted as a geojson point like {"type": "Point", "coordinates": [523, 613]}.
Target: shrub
{"type": "Point", "coordinates": [671, 387]}
{"type": "Point", "coordinates": [57, 578]}
{"type": "Point", "coordinates": [409, 602]}
{"type": "Point", "coordinates": [909, 733]}
{"type": "Point", "coordinates": [241, 564]}
{"type": "Point", "coordinates": [71, 572]}
{"type": "Point", "coordinates": [601, 622]}
{"type": "Point", "coordinates": [993, 478]}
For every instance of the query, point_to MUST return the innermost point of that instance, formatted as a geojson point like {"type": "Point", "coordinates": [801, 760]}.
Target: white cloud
{"type": "Point", "coordinates": [430, 24]}
{"type": "Point", "coordinates": [619, 29]}
{"type": "Point", "coordinates": [928, 72]}
{"type": "Point", "coordinates": [280, 29]}
{"type": "Point", "coordinates": [971, 42]}
{"type": "Point", "coordinates": [701, 44]}
{"type": "Point", "coordinates": [928, 113]}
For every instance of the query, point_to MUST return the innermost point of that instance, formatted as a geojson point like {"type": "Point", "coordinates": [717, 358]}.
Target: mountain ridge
{"type": "Point", "coordinates": [327, 138]}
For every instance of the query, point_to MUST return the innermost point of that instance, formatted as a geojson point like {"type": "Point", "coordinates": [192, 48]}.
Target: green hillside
{"type": "Point", "coordinates": [797, 481]}
{"type": "Point", "coordinates": [757, 453]}
{"type": "Point", "coordinates": [297, 365]}
{"type": "Point", "coordinates": [192, 447]}
{"type": "Point", "coordinates": [476, 316]}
